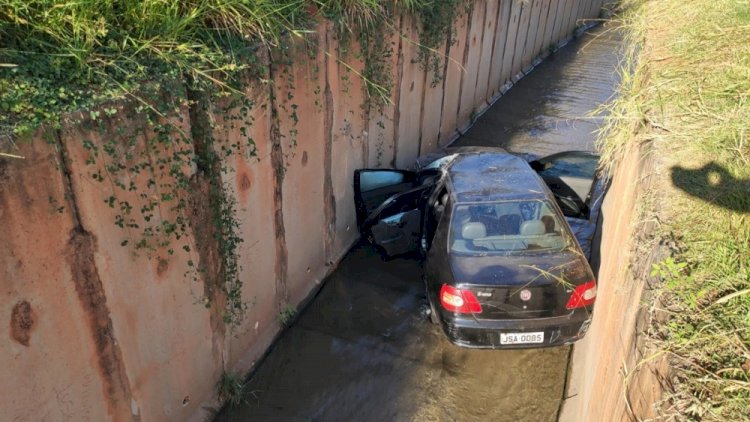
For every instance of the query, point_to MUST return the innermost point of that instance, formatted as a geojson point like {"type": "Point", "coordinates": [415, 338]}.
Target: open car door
{"type": "Point", "coordinates": [373, 186]}
{"type": "Point", "coordinates": [571, 176]}
{"type": "Point", "coordinates": [390, 205]}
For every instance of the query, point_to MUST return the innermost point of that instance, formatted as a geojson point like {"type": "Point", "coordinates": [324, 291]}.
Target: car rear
{"type": "Point", "coordinates": [513, 282]}
{"type": "Point", "coordinates": [535, 315]}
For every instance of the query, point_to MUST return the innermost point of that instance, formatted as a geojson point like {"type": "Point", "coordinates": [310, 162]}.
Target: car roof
{"type": "Point", "coordinates": [489, 176]}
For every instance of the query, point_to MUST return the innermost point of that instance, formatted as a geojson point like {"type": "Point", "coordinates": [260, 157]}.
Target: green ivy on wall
{"type": "Point", "coordinates": [98, 64]}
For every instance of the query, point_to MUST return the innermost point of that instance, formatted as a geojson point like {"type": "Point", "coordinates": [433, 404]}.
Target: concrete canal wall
{"type": "Point", "coordinates": [613, 375]}
{"type": "Point", "coordinates": [99, 330]}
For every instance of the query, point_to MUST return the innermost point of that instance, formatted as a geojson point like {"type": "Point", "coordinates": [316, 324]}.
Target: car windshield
{"type": "Point", "coordinates": [509, 227]}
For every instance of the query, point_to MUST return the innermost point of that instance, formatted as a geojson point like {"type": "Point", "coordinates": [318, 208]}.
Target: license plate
{"type": "Point", "coordinates": [522, 338]}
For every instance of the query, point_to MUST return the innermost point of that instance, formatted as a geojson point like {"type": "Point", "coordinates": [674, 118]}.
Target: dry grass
{"type": "Point", "coordinates": [687, 93]}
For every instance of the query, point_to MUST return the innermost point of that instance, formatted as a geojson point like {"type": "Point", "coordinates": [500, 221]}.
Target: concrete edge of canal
{"type": "Point", "coordinates": [611, 374]}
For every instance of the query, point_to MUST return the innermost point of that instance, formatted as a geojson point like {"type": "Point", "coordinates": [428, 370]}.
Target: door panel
{"type": "Point", "coordinates": [570, 176]}
{"type": "Point", "coordinates": [372, 187]}
{"type": "Point", "coordinates": [399, 233]}
{"type": "Point", "coordinates": [396, 226]}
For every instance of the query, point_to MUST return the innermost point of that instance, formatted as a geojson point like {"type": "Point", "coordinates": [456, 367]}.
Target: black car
{"type": "Point", "coordinates": [502, 266]}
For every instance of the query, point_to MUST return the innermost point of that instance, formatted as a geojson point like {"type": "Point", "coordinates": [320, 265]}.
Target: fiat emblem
{"type": "Point", "coordinates": [525, 294]}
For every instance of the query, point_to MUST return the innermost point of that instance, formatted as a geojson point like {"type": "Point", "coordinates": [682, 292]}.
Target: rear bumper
{"type": "Point", "coordinates": [485, 334]}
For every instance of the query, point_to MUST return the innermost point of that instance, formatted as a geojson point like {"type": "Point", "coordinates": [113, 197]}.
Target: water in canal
{"type": "Point", "coordinates": [362, 351]}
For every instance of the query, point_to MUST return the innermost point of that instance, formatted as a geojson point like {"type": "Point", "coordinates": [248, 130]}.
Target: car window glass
{"type": "Point", "coordinates": [440, 161]}
{"type": "Point", "coordinates": [369, 181]}
{"type": "Point", "coordinates": [576, 166]}
{"type": "Point", "coordinates": [404, 202]}
{"type": "Point", "coordinates": [507, 227]}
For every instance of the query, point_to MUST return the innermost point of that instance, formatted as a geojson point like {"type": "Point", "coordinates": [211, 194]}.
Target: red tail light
{"type": "Point", "coordinates": [460, 301]}
{"type": "Point", "coordinates": [583, 295]}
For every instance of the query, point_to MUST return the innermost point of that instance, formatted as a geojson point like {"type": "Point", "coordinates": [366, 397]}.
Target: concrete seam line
{"type": "Point", "coordinates": [445, 77]}
{"type": "Point", "coordinates": [277, 161]}
{"type": "Point", "coordinates": [464, 61]}
{"type": "Point", "coordinates": [329, 207]}
{"type": "Point", "coordinates": [479, 62]}
{"type": "Point", "coordinates": [397, 91]}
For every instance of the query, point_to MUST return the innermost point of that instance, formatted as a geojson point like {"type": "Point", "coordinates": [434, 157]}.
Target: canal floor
{"type": "Point", "coordinates": [363, 351]}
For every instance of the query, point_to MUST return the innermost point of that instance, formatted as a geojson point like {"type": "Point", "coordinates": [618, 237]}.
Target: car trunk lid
{"type": "Point", "coordinates": [519, 302]}
{"type": "Point", "coordinates": [521, 286]}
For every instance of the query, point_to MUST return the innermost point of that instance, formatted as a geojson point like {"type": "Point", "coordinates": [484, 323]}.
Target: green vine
{"type": "Point", "coordinates": [375, 23]}
{"type": "Point", "coordinates": [376, 53]}
{"type": "Point", "coordinates": [104, 65]}
{"type": "Point", "coordinates": [437, 19]}
{"type": "Point", "coordinates": [148, 173]}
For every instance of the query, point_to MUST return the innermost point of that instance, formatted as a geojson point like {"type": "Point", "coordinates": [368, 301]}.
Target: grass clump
{"type": "Point", "coordinates": [102, 65]}
{"type": "Point", "coordinates": [686, 90]}
{"type": "Point", "coordinates": [57, 57]}
{"type": "Point", "coordinates": [286, 315]}
{"type": "Point", "coordinates": [231, 389]}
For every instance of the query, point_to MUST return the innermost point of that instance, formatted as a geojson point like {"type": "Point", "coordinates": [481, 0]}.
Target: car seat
{"type": "Point", "coordinates": [549, 224]}
{"type": "Point", "coordinates": [532, 228]}
{"type": "Point", "coordinates": [473, 230]}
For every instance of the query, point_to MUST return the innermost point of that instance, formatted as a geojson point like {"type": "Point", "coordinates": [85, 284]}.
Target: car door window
{"type": "Point", "coordinates": [570, 176]}
{"type": "Point", "coordinates": [374, 180]}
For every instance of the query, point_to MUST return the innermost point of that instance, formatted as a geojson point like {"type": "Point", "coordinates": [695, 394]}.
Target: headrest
{"type": "Point", "coordinates": [473, 230]}
{"type": "Point", "coordinates": [532, 228]}
{"type": "Point", "coordinates": [549, 223]}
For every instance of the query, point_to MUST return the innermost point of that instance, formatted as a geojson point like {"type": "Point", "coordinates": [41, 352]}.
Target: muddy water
{"type": "Point", "coordinates": [363, 351]}
{"type": "Point", "coordinates": [552, 109]}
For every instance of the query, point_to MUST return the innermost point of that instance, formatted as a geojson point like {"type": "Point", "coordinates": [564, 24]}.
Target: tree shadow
{"type": "Point", "coordinates": [713, 183]}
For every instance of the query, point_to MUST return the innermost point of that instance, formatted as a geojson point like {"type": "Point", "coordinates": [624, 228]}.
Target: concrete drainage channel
{"type": "Point", "coordinates": [362, 350]}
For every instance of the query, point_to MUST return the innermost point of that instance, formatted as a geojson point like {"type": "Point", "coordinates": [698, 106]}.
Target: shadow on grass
{"type": "Point", "coordinates": [715, 184]}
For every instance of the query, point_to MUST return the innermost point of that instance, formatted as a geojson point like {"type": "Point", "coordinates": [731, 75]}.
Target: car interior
{"type": "Point", "coordinates": [505, 227]}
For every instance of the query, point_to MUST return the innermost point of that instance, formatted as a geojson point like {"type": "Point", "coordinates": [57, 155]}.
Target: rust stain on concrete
{"type": "Point", "coordinates": [277, 162]}
{"type": "Point", "coordinates": [22, 322]}
{"type": "Point", "coordinates": [329, 205]}
{"type": "Point", "coordinates": [201, 221]}
{"type": "Point", "coordinates": [244, 181]}
{"type": "Point", "coordinates": [162, 265]}
{"type": "Point", "coordinates": [79, 255]}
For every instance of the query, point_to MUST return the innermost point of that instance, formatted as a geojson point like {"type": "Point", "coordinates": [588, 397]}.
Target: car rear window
{"type": "Point", "coordinates": [509, 227]}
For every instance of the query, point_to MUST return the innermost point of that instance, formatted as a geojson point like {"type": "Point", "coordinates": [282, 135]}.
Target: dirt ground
{"type": "Point", "coordinates": [363, 351]}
